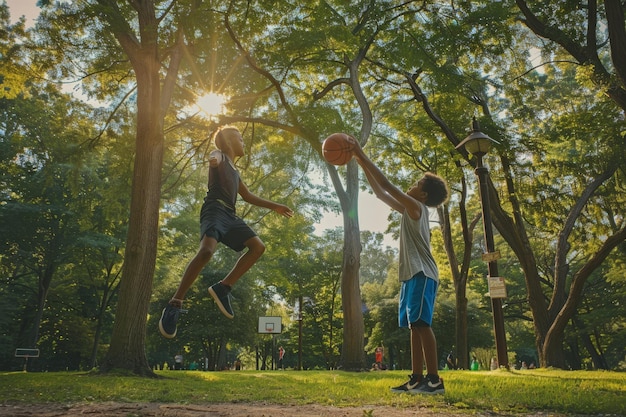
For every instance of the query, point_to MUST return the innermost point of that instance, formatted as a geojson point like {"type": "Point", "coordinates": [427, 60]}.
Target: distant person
{"type": "Point", "coordinates": [379, 355]}
{"type": "Point", "coordinates": [494, 364]}
{"type": "Point", "coordinates": [219, 223]}
{"type": "Point", "coordinates": [450, 361]}
{"type": "Point", "coordinates": [281, 355]}
{"type": "Point", "coordinates": [178, 362]}
{"type": "Point", "coordinates": [418, 271]}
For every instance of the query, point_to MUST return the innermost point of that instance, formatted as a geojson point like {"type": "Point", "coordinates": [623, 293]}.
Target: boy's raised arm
{"type": "Point", "coordinates": [383, 188]}
{"type": "Point", "coordinates": [379, 191]}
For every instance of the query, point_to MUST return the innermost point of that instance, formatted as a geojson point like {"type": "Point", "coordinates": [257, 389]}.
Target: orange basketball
{"type": "Point", "coordinates": [336, 149]}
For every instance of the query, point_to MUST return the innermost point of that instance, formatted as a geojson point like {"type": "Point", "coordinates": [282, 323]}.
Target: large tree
{"type": "Point", "coordinates": [155, 86]}
{"type": "Point", "coordinates": [150, 50]}
{"type": "Point", "coordinates": [576, 29]}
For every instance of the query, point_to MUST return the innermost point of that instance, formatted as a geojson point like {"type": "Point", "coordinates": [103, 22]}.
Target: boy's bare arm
{"type": "Point", "coordinates": [380, 192]}
{"type": "Point", "coordinates": [398, 199]}
{"type": "Point", "coordinates": [252, 198]}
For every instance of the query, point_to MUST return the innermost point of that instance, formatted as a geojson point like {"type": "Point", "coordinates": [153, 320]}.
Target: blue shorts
{"type": "Point", "coordinates": [222, 224]}
{"type": "Point", "coordinates": [417, 301]}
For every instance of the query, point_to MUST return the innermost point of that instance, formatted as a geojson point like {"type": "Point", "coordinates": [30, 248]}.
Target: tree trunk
{"type": "Point", "coordinates": [353, 351]}
{"type": "Point", "coordinates": [300, 304]}
{"type": "Point", "coordinates": [459, 275]}
{"type": "Point", "coordinates": [127, 349]}
{"type": "Point", "coordinates": [93, 361]}
{"type": "Point", "coordinates": [353, 356]}
{"type": "Point", "coordinates": [42, 295]}
{"type": "Point", "coordinates": [462, 347]}
{"type": "Point", "coordinates": [552, 352]}
{"type": "Point", "coordinates": [596, 357]}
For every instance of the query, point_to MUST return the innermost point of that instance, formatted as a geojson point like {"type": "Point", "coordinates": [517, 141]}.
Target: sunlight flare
{"type": "Point", "coordinates": [211, 104]}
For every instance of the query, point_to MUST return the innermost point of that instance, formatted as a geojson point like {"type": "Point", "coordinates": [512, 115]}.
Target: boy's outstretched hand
{"type": "Point", "coordinates": [356, 149]}
{"type": "Point", "coordinates": [283, 210]}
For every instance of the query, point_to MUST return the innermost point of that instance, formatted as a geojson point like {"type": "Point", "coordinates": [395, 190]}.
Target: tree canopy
{"type": "Point", "coordinates": [101, 190]}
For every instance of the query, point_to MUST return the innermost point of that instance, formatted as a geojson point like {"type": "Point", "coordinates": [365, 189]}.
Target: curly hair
{"type": "Point", "coordinates": [437, 189]}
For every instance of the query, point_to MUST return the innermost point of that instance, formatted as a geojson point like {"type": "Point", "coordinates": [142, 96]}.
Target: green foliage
{"type": "Point", "coordinates": [312, 291]}
{"type": "Point", "coordinates": [66, 167]}
{"type": "Point", "coordinates": [375, 258]}
{"type": "Point", "coordinates": [13, 57]}
{"type": "Point", "coordinates": [63, 225]}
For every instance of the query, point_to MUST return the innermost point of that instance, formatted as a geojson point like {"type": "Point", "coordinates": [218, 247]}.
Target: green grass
{"type": "Point", "coordinates": [568, 392]}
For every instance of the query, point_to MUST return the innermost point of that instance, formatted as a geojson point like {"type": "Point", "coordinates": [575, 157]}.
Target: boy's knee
{"type": "Point", "coordinates": [205, 254]}
{"type": "Point", "coordinates": [257, 247]}
{"type": "Point", "coordinates": [260, 249]}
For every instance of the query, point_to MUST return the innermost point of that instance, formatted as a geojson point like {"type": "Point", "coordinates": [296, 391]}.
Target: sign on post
{"type": "Point", "coordinates": [490, 257]}
{"type": "Point", "coordinates": [497, 287]}
{"type": "Point", "coordinates": [26, 353]}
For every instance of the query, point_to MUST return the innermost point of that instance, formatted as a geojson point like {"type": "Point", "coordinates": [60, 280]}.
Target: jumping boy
{"type": "Point", "coordinates": [219, 223]}
{"type": "Point", "coordinates": [418, 271]}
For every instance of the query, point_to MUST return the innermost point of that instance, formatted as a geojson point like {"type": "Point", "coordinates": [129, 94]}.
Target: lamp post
{"type": "Point", "coordinates": [478, 144]}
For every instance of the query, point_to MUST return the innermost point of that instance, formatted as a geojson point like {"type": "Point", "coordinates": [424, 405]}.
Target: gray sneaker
{"type": "Point", "coordinates": [410, 386]}
{"type": "Point", "coordinates": [220, 293]}
{"type": "Point", "coordinates": [433, 384]}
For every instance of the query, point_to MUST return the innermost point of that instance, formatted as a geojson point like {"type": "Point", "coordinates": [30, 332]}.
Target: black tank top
{"type": "Point", "coordinates": [223, 183]}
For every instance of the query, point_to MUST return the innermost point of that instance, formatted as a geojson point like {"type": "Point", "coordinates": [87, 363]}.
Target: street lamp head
{"type": "Point", "coordinates": [476, 143]}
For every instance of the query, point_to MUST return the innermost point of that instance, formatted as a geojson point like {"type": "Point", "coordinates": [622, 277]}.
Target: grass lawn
{"type": "Point", "coordinates": [501, 391]}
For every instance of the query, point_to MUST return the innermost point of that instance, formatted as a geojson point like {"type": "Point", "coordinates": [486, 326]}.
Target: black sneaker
{"type": "Point", "coordinates": [220, 292]}
{"type": "Point", "coordinates": [432, 385]}
{"type": "Point", "coordinates": [167, 323]}
{"type": "Point", "coordinates": [411, 385]}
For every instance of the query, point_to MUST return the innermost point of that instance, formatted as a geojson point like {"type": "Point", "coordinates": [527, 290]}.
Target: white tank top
{"type": "Point", "coordinates": [415, 254]}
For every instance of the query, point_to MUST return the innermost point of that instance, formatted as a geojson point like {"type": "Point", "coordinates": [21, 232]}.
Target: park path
{"type": "Point", "coordinates": [116, 409]}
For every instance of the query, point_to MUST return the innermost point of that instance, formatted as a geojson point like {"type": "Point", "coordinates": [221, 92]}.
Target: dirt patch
{"type": "Point", "coordinates": [115, 409]}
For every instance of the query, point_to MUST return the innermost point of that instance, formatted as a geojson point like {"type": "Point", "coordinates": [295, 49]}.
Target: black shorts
{"type": "Point", "coordinates": [222, 224]}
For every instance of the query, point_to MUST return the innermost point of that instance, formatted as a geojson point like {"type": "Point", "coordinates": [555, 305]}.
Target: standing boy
{"type": "Point", "coordinates": [418, 272]}
{"type": "Point", "coordinates": [219, 223]}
